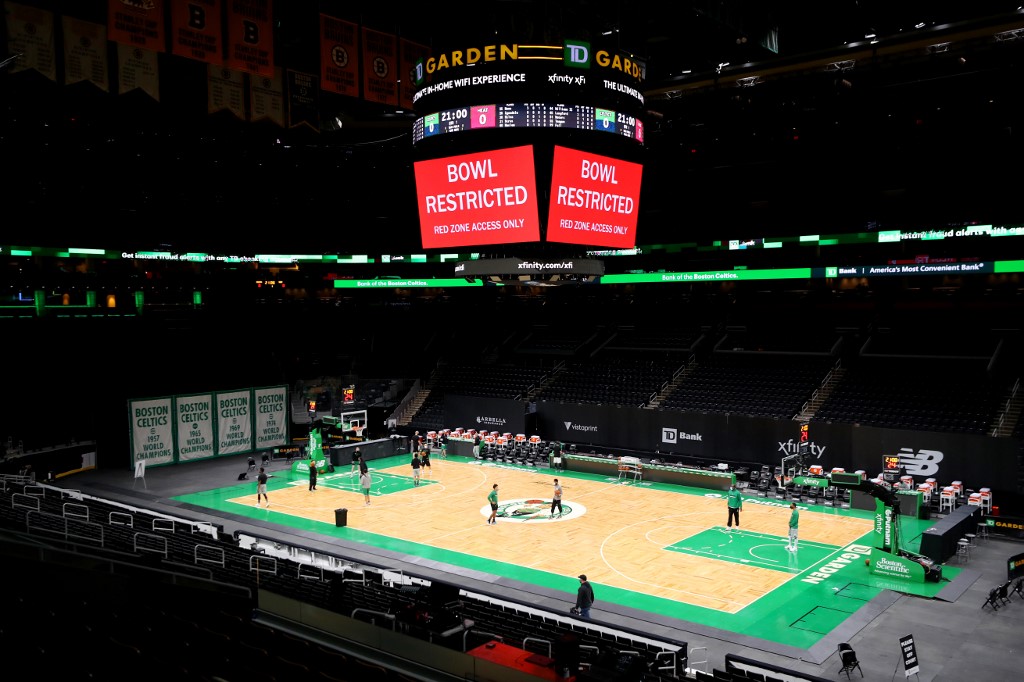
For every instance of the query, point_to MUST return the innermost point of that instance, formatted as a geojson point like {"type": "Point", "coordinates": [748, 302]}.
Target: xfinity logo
{"type": "Point", "coordinates": [674, 436]}
{"type": "Point", "coordinates": [921, 463]}
{"type": "Point", "coordinates": [569, 426]}
{"type": "Point", "coordinates": [791, 447]}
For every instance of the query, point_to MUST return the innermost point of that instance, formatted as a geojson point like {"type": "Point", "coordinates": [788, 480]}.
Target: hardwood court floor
{"type": "Point", "coordinates": [660, 540]}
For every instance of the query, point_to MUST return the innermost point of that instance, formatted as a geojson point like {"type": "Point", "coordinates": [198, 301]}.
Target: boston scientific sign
{"type": "Point", "coordinates": [574, 72]}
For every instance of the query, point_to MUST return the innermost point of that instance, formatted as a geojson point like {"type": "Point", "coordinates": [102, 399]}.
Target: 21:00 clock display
{"type": "Point", "coordinates": [528, 115]}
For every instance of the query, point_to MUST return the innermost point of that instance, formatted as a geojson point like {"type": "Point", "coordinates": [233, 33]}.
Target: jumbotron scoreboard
{"type": "Point", "coordinates": [529, 143]}
{"type": "Point", "coordinates": [571, 86]}
{"type": "Point", "coordinates": [529, 115]}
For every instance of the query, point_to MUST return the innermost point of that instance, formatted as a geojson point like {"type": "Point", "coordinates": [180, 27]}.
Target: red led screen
{"type": "Point", "coordinates": [475, 199]}
{"type": "Point", "coordinates": [594, 199]}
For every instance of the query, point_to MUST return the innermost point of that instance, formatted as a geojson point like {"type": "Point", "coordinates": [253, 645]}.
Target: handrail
{"type": "Point", "coordinates": [670, 665]}
{"type": "Point", "coordinates": [541, 641]}
{"type": "Point", "coordinates": [692, 664]}
{"type": "Point", "coordinates": [386, 616]}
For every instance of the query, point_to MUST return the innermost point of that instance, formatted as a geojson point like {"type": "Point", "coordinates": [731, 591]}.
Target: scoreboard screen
{"type": "Point", "coordinates": [890, 463]}
{"type": "Point", "coordinates": [487, 197]}
{"type": "Point", "coordinates": [528, 115]}
{"type": "Point", "coordinates": [594, 200]}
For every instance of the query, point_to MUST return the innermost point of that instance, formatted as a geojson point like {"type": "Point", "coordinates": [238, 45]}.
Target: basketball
{"type": "Point", "coordinates": [867, 562]}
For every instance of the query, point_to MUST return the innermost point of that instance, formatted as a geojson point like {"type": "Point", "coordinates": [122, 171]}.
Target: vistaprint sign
{"type": "Point", "coordinates": [572, 427]}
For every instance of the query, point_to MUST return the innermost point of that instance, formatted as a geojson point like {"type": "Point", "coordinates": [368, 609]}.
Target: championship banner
{"type": "Point", "coordinates": [225, 89]}
{"type": "Point", "coordinates": [151, 432]}
{"type": "Point", "coordinates": [85, 53]}
{"type": "Point", "coordinates": [303, 100]}
{"type": "Point", "coordinates": [30, 38]}
{"type": "Point", "coordinates": [266, 98]}
{"type": "Point", "coordinates": [251, 36]}
{"type": "Point", "coordinates": [409, 54]}
{"type": "Point", "coordinates": [339, 56]}
{"type": "Point", "coordinates": [140, 24]}
{"type": "Point", "coordinates": [193, 416]}
{"type": "Point", "coordinates": [137, 69]}
{"type": "Point", "coordinates": [234, 422]}
{"type": "Point", "coordinates": [197, 30]}
{"type": "Point", "coordinates": [380, 67]}
{"type": "Point", "coordinates": [271, 417]}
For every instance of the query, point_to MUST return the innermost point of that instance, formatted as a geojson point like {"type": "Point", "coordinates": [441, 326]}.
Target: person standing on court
{"type": "Point", "coordinates": [556, 455]}
{"type": "Point", "coordinates": [556, 499]}
{"type": "Point", "coordinates": [415, 468]}
{"type": "Point", "coordinates": [425, 460]}
{"type": "Point", "coordinates": [794, 524]}
{"type": "Point", "coordinates": [261, 487]}
{"type": "Point", "coordinates": [584, 597]}
{"type": "Point", "coordinates": [492, 497]}
{"type": "Point", "coordinates": [735, 501]}
{"type": "Point", "coordinates": [365, 482]}
{"type": "Point", "coordinates": [312, 475]}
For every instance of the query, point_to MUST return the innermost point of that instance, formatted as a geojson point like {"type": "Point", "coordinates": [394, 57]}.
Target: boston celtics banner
{"type": "Point", "coordinates": [271, 417]}
{"type": "Point", "coordinates": [151, 432]}
{"type": "Point", "coordinates": [234, 422]}
{"type": "Point", "coordinates": [194, 423]}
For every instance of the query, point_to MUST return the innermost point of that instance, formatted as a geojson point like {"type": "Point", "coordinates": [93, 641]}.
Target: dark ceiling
{"type": "Point", "coordinates": [765, 118]}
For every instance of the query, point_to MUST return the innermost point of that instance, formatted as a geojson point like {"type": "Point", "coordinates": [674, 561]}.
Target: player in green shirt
{"type": "Point", "coordinates": [492, 497]}
{"type": "Point", "coordinates": [735, 501]}
{"type": "Point", "coordinates": [794, 523]}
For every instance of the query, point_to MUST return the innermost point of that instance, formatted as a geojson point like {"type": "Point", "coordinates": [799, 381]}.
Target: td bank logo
{"type": "Point", "coordinates": [675, 435]}
{"type": "Point", "coordinates": [920, 463]}
{"type": "Point", "coordinates": [576, 53]}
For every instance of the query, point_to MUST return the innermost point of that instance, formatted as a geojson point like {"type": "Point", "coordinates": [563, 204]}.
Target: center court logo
{"type": "Point", "coordinates": [534, 510]}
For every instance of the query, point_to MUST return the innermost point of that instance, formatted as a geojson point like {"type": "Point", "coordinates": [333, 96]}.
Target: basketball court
{"type": "Point", "coordinates": [654, 550]}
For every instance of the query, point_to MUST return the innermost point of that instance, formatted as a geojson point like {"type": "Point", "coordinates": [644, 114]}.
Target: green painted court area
{"type": "Point", "coordinates": [827, 584]}
{"type": "Point", "coordinates": [753, 549]}
{"type": "Point", "coordinates": [381, 484]}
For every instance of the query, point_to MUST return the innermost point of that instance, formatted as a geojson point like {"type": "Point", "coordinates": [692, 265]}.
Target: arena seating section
{"type": "Point", "coordinates": [174, 599]}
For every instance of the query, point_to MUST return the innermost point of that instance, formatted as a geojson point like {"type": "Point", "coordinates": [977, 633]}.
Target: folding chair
{"type": "Point", "coordinates": [1004, 592]}
{"type": "Point", "coordinates": [252, 464]}
{"type": "Point", "coordinates": [848, 657]}
{"type": "Point", "coordinates": [992, 599]}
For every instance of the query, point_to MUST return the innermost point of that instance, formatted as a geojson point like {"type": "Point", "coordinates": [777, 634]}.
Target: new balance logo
{"type": "Point", "coordinates": [921, 463]}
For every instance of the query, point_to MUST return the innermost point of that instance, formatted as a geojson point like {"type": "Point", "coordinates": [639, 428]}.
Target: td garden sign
{"type": "Point", "coordinates": [534, 67]}
{"type": "Point", "coordinates": [574, 53]}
